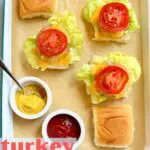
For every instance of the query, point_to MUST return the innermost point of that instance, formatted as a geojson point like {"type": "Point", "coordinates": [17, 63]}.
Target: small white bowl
{"type": "Point", "coordinates": [67, 112]}
{"type": "Point", "coordinates": [27, 81]}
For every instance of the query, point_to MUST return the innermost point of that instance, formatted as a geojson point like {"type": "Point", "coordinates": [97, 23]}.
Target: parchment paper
{"type": "Point", "coordinates": [67, 91]}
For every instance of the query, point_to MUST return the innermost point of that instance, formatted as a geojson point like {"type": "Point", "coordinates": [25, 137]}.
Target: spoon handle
{"type": "Point", "coordinates": [3, 66]}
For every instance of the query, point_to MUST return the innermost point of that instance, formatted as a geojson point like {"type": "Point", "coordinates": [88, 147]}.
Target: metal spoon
{"type": "Point", "coordinates": [26, 91]}
{"type": "Point", "coordinates": [3, 66]}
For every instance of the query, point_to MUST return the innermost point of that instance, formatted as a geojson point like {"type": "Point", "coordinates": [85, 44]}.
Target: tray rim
{"type": "Point", "coordinates": [7, 133]}
{"type": "Point", "coordinates": [6, 55]}
{"type": "Point", "coordinates": [145, 24]}
{"type": "Point", "coordinates": [1, 53]}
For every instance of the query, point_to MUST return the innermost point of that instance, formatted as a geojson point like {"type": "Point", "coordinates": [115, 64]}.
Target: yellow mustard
{"type": "Point", "coordinates": [31, 100]}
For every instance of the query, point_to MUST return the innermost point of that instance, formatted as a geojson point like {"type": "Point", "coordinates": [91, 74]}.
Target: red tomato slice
{"type": "Point", "coordinates": [51, 42]}
{"type": "Point", "coordinates": [111, 80]}
{"type": "Point", "coordinates": [114, 17]}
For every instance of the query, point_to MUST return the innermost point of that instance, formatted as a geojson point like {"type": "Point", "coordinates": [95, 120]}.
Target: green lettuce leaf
{"type": "Point", "coordinates": [92, 5]}
{"type": "Point", "coordinates": [30, 55]}
{"type": "Point", "coordinates": [90, 8]}
{"type": "Point", "coordinates": [68, 22]}
{"type": "Point", "coordinates": [134, 25]}
{"type": "Point", "coordinates": [85, 75]}
{"type": "Point", "coordinates": [129, 63]}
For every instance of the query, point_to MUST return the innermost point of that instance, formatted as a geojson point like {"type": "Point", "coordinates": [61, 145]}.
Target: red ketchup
{"type": "Point", "coordinates": [63, 126]}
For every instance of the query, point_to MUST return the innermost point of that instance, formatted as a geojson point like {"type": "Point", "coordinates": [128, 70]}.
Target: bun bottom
{"type": "Point", "coordinates": [99, 37]}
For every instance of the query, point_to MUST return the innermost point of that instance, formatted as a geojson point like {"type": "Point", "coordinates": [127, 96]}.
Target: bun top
{"type": "Point", "coordinates": [29, 7]}
{"type": "Point", "coordinates": [113, 125]}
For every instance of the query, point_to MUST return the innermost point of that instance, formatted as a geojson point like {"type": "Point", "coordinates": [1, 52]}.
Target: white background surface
{"type": "Point", "coordinates": [1, 19]}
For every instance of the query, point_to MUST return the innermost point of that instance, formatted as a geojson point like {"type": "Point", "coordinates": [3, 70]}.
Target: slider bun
{"type": "Point", "coordinates": [113, 126]}
{"type": "Point", "coordinates": [101, 37]}
{"type": "Point", "coordinates": [35, 8]}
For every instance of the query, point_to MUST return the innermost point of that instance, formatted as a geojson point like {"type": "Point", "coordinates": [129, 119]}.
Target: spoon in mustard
{"type": "Point", "coordinates": [26, 91]}
{"type": "Point", "coordinates": [4, 67]}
